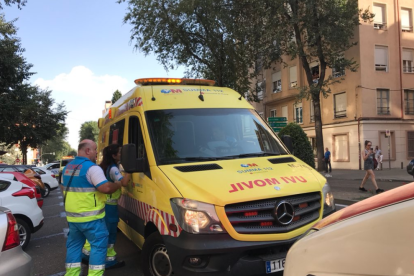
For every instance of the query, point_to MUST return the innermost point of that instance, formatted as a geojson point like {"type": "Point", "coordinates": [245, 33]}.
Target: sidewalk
{"type": "Point", "coordinates": [347, 192]}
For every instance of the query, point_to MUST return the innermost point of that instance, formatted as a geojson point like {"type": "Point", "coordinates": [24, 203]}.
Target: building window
{"type": "Point", "coordinates": [383, 102]}
{"type": "Point", "coordinates": [312, 112]}
{"type": "Point", "coordinates": [410, 144]}
{"type": "Point", "coordinates": [273, 113]}
{"type": "Point", "coordinates": [380, 19]}
{"type": "Point", "coordinates": [409, 102]}
{"type": "Point", "coordinates": [338, 69]}
{"type": "Point", "coordinates": [297, 113]}
{"type": "Point", "coordinates": [293, 79]}
{"type": "Point", "coordinates": [341, 148]}
{"type": "Point", "coordinates": [381, 58]}
{"type": "Point", "coordinates": [340, 103]}
{"type": "Point", "coordinates": [261, 86]}
{"type": "Point", "coordinates": [314, 66]}
{"type": "Point", "coordinates": [408, 61]}
{"type": "Point", "coordinates": [277, 82]}
{"type": "Point", "coordinates": [406, 20]}
{"type": "Point", "coordinates": [285, 112]}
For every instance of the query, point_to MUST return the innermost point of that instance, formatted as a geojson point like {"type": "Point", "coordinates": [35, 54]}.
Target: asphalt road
{"type": "Point", "coordinates": [48, 245]}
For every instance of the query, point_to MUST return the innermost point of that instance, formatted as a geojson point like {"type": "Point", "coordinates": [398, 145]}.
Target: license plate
{"type": "Point", "coordinates": [275, 265]}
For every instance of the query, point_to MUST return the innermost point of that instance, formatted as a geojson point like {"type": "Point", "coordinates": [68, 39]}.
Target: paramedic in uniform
{"type": "Point", "coordinates": [85, 187]}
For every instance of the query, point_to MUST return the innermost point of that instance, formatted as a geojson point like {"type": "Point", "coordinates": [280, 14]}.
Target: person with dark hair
{"type": "Point", "coordinates": [111, 157]}
{"type": "Point", "coordinates": [84, 188]}
{"type": "Point", "coordinates": [368, 156]}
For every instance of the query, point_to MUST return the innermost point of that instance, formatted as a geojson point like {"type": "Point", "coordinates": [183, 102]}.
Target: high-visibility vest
{"type": "Point", "coordinates": [83, 201]}
{"type": "Point", "coordinates": [112, 199]}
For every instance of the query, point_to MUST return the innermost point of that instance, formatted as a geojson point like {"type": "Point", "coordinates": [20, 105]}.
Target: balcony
{"type": "Point", "coordinates": [407, 29]}
{"type": "Point", "coordinates": [294, 84]}
{"type": "Point", "coordinates": [383, 110]}
{"type": "Point", "coordinates": [340, 113]}
{"type": "Point", "coordinates": [408, 69]}
{"type": "Point", "coordinates": [380, 26]}
{"type": "Point", "coordinates": [381, 67]}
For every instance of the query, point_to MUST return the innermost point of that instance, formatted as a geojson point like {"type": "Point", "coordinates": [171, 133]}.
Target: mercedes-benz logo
{"type": "Point", "coordinates": [284, 213]}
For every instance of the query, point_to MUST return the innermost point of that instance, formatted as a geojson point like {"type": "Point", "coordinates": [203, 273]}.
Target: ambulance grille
{"type": "Point", "coordinates": [197, 168]}
{"type": "Point", "coordinates": [257, 217]}
{"type": "Point", "coordinates": [282, 160]}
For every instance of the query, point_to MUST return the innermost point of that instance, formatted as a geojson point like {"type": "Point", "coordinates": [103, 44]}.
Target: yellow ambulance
{"type": "Point", "coordinates": [214, 191]}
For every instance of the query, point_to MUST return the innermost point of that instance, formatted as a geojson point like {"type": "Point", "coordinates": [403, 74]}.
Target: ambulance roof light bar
{"type": "Point", "coordinates": [166, 81]}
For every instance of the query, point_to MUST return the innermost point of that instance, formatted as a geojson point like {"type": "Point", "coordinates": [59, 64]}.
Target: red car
{"type": "Point", "coordinates": [18, 176]}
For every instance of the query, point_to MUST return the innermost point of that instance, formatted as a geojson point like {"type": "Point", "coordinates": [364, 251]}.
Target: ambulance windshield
{"type": "Point", "coordinates": [193, 135]}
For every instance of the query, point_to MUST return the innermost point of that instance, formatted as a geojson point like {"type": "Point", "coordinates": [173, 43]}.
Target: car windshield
{"type": "Point", "coordinates": [192, 135]}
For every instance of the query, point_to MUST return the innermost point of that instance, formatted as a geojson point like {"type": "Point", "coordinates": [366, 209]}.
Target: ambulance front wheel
{"type": "Point", "coordinates": [155, 259]}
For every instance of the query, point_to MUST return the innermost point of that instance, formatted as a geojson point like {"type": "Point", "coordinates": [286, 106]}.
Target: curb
{"type": "Point", "coordinates": [345, 201]}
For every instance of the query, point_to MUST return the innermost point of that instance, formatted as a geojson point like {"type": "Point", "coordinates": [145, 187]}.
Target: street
{"type": "Point", "coordinates": [47, 247]}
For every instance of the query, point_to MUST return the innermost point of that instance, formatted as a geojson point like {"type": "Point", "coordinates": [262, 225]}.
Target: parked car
{"type": "Point", "coordinates": [48, 178]}
{"type": "Point", "coordinates": [21, 200]}
{"type": "Point", "coordinates": [29, 172]}
{"type": "Point", "coordinates": [18, 176]}
{"type": "Point", "coordinates": [410, 167]}
{"type": "Point", "coordinates": [371, 237]}
{"type": "Point", "coordinates": [63, 163]}
{"type": "Point", "coordinates": [52, 167]}
{"type": "Point", "coordinates": [13, 260]}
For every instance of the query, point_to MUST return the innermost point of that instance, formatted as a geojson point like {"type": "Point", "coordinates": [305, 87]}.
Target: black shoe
{"type": "Point", "coordinates": [378, 191]}
{"type": "Point", "coordinates": [363, 189]}
{"type": "Point", "coordinates": [119, 264]}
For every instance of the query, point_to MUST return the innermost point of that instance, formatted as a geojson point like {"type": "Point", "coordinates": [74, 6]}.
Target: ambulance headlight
{"type": "Point", "coordinates": [328, 200]}
{"type": "Point", "coordinates": [196, 217]}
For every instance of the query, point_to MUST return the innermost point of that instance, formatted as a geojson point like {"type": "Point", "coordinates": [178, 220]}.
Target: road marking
{"type": "Point", "coordinates": [57, 204]}
{"type": "Point", "coordinates": [63, 214]}
{"type": "Point", "coordinates": [49, 236]}
{"type": "Point", "coordinates": [60, 196]}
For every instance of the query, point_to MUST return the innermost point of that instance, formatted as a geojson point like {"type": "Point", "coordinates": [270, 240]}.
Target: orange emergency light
{"type": "Point", "coordinates": [164, 81]}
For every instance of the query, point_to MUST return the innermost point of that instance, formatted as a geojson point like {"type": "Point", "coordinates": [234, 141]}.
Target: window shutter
{"type": "Point", "coordinates": [407, 54]}
{"type": "Point", "coordinates": [276, 76]}
{"type": "Point", "coordinates": [340, 102]}
{"type": "Point", "coordinates": [381, 54]}
{"type": "Point", "coordinates": [379, 13]}
{"type": "Point", "coordinates": [285, 112]}
{"type": "Point", "coordinates": [405, 18]}
{"type": "Point", "coordinates": [292, 74]}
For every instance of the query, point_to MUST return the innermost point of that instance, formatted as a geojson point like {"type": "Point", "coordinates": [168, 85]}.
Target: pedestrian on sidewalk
{"type": "Point", "coordinates": [368, 156]}
{"type": "Point", "coordinates": [328, 161]}
{"type": "Point", "coordinates": [378, 156]}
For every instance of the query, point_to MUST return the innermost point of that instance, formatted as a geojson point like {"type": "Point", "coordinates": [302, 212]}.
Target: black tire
{"type": "Point", "coordinates": [24, 232]}
{"type": "Point", "coordinates": [155, 259]}
{"type": "Point", "coordinates": [46, 191]}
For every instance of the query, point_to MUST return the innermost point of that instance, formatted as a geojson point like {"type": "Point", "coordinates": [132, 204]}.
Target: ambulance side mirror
{"type": "Point", "coordinates": [129, 160]}
{"type": "Point", "coordinates": [287, 140]}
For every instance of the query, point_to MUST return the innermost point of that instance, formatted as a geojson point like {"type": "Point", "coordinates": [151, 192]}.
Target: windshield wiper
{"type": "Point", "coordinates": [256, 154]}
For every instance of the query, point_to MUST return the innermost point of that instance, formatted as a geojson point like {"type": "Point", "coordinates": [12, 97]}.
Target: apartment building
{"type": "Point", "coordinates": [368, 104]}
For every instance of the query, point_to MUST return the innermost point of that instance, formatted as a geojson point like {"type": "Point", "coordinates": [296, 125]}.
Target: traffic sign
{"type": "Point", "coordinates": [17, 160]}
{"type": "Point", "coordinates": [278, 124]}
{"type": "Point", "coordinates": [276, 119]}
{"type": "Point", "coordinates": [276, 129]}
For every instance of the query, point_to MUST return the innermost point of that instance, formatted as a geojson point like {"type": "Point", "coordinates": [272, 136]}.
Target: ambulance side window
{"type": "Point", "coordinates": [135, 137]}
{"type": "Point", "coordinates": [116, 133]}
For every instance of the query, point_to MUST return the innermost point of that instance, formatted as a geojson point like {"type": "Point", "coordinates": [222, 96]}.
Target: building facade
{"type": "Point", "coordinates": [375, 101]}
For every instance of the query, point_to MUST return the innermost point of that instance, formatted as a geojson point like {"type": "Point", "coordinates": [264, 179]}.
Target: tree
{"type": "Point", "coordinates": [14, 70]}
{"type": "Point", "coordinates": [198, 34]}
{"type": "Point", "coordinates": [39, 120]}
{"type": "Point", "coordinates": [116, 96]}
{"type": "Point", "coordinates": [19, 3]}
{"type": "Point", "coordinates": [302, 148]}
{"type": "Point", "coordinates": [56, 145]}
{"type": "Point", "coordinates": [309, 30]}
{"type": "Point", "coordinates": [89, 130]}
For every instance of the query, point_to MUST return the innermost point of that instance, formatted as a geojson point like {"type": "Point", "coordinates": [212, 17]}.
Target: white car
{"type": "Point", "coordinates": [52, 167]}
{"type": "Point", "coordinates": [21, 200]}
{"type": "Point", "coordinates": [48, 178]}
{"type": "Point", "coordinates": [13, 260]}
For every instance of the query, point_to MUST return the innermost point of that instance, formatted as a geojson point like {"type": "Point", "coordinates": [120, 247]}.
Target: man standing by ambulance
{"type": "Point", "coordinates": [85, 186]}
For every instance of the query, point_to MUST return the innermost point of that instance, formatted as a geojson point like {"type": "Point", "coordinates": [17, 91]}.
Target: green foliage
{"type": "Point", "coordinates": [89, 130]}
{"type": "Point", "coordinates": [56, 145]}
{"type": "Point", "coordinates": [198, 34]}
{"type": "Point", "coordinates": [19, 3]}
{"type": "Point", "coordinates": [301, 145]}
{"type": "Point", "coordinates": [116, 95]}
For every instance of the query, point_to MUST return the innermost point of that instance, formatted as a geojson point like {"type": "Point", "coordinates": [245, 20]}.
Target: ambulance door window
{"type": "Point", "coordinates": [116, 133]}
{"type": "Point", "coordinates": [135, 137]}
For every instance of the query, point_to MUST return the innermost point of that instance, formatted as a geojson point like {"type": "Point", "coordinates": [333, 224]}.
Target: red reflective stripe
{"type": "Point", "coordinates": [387, 198]}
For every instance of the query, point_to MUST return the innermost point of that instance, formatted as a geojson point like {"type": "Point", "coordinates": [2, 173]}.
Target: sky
{"type": "Point", "coordinates": [82, 52]}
